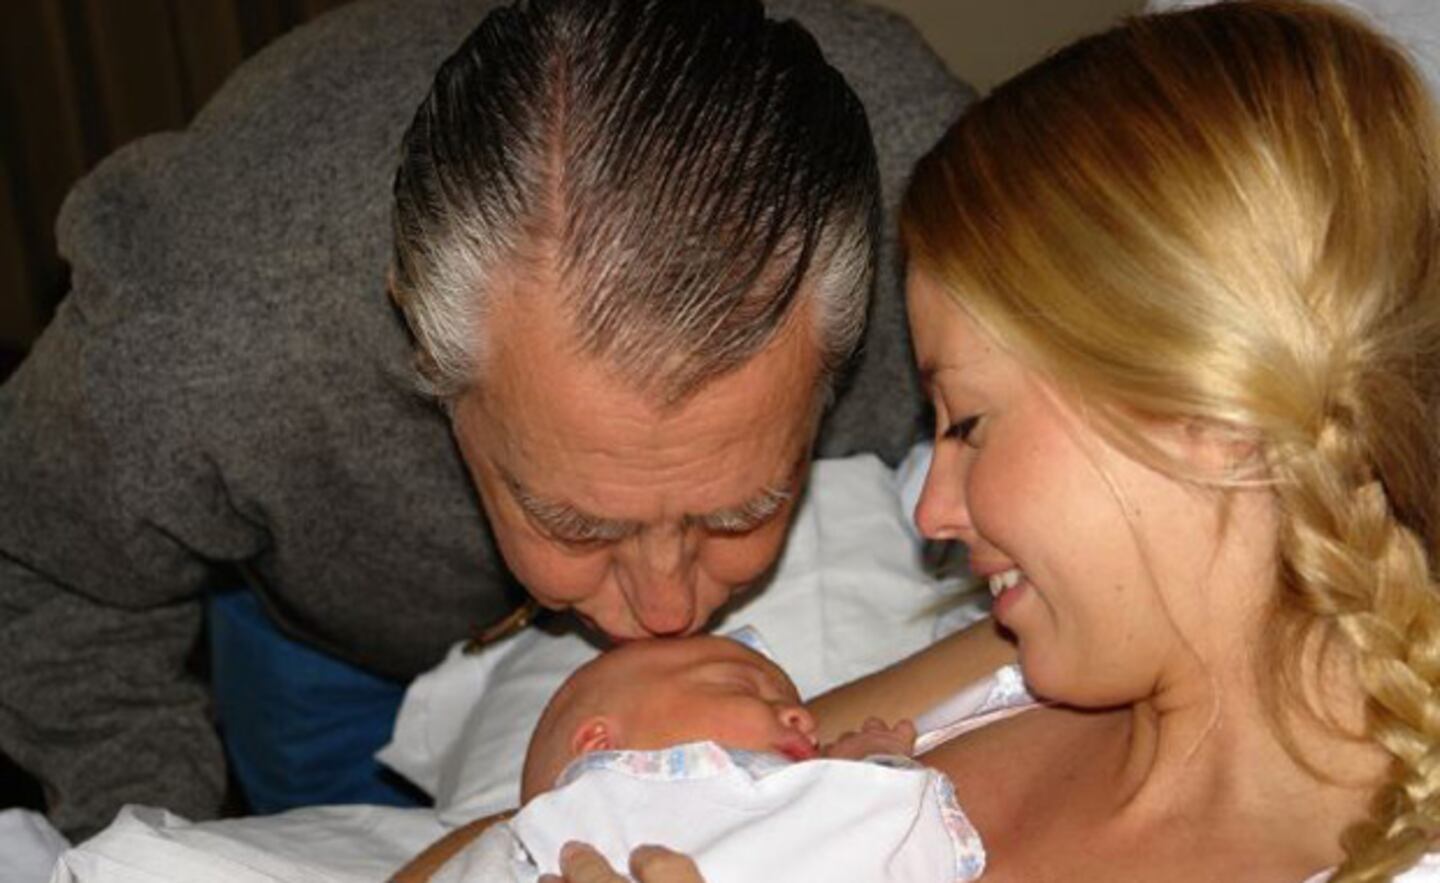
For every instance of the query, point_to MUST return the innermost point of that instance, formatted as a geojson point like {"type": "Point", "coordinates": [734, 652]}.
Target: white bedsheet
{"type": "Point", "coordinates": [340, 844]}
{"type": "Point", "coordinates": [29, 846]}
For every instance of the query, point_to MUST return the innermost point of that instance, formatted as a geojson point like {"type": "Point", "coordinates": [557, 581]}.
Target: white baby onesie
{"type": "Point", "coordinates": [743, 817]}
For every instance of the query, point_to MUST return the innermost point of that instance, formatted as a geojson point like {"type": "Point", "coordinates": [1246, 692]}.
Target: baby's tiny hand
{"type": "Point", "coordinates": [875, 737]}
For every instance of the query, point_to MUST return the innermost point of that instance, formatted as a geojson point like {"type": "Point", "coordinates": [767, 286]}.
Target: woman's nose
{"type": "Point", "coordinates": [941, 513]}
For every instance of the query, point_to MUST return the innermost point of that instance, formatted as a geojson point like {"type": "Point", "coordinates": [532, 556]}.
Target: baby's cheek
{"type": "Point", "coordinates": [754, 728]}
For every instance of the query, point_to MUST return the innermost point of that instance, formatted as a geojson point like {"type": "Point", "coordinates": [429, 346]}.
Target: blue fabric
{"type": "Point", "coordinates": [300, 727]}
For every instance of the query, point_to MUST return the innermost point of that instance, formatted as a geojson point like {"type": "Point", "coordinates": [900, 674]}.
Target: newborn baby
{"type": "Point", "coordinates": [702, 744]}
{"type": "Point", "coordinates": [654, 695]}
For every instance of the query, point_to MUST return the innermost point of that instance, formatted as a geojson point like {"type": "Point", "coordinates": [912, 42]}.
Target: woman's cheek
{"type": "Point", "coordinates": [986, 496]}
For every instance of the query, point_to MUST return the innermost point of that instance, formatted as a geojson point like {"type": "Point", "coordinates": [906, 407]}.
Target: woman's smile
{"type": "Point", "coordinates": [1006, 587]}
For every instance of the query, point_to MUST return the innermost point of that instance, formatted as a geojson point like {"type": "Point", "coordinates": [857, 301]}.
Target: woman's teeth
{"type": "Point", "coordinates": [1007, 579]}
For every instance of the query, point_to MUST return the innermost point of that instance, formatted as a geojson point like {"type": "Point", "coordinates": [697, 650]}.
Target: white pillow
{"type": "Point", "coordinates": [849, 595]}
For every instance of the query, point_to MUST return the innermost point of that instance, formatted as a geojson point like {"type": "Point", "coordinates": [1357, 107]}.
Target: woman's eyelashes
{"type": "Point", "coordinates": [964, 429]}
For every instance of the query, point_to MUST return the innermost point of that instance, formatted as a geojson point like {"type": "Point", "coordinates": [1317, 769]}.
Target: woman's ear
{"type": "Point", "coordinates": [594, 734]}
{"type": "Point", "coordinates": [1219, 451]}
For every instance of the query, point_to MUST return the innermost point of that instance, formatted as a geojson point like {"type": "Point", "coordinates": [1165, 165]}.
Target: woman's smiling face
{"type": "Point", "coordinates": [1099, 564]}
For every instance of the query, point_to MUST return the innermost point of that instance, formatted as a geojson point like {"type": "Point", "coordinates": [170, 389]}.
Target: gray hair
{"type": "Point", "coordinates": [683, 164]}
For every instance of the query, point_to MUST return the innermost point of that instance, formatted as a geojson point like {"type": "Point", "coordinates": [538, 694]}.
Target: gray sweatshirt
{"type": "Point", "coordinates": [226, 384]}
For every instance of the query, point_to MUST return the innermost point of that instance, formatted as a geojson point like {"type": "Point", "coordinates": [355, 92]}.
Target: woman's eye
{"type": "Point", "coordinates": [964, 428]}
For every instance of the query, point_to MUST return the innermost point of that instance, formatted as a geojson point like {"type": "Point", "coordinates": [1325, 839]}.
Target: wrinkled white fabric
{"type": "Point", "coordinates": [29, 845]}
{"type": "Point", "coordinates": [340, 844]}
{"type": "Point", "coordinates": [742, 817]}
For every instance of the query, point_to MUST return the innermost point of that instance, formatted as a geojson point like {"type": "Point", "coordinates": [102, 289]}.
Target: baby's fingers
{"type": "Point", "coordinates": [905, 730]}
{"type": "Point", "coordinates": [582, 864]}
{"type": "Point", "coordinates": [656, 864]}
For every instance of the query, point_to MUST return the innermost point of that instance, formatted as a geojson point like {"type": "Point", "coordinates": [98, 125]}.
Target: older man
{"type": "Point", "coordinates": [634, 240]}
{"type": "Point", "coordinates": [631, 240]}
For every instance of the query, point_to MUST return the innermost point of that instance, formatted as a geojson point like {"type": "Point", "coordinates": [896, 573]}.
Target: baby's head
{"type": "Point", "coordinates": [653, 694]}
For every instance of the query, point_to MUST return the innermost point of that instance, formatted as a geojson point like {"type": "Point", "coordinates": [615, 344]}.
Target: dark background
{"type": "Point", "coordinates": [79, 78]}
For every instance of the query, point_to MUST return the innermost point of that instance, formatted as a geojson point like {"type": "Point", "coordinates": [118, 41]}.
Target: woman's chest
{"type": "Point", "coordinates": [1016, 767]}
{"type": "Point", "coordinates": [1041, 789]}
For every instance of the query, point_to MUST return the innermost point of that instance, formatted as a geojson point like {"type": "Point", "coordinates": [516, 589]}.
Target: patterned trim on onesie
{"type": "Point", "coordinates": [693, 760]}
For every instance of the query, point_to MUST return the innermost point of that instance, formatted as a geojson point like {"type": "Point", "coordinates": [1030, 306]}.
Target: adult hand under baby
{"type": "Point", "coordinates": [875, 737]}
{"type": "Point", "coordinates": [648, 864]}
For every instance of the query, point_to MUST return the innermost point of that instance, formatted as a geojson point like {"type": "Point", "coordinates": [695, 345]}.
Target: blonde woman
{"type": "Point", "coordinates": [1175, 294]}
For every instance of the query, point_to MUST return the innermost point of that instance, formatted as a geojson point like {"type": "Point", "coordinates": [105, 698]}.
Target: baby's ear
{"type": "Point", "coordinates": [593, 734]}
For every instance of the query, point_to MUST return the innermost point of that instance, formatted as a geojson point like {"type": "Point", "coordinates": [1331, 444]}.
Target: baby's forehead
{"type": "Point", "coordinates": [665, 657]}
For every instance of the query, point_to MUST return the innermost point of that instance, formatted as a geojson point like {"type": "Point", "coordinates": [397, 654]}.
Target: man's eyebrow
{"type": "Point", "coordinates": [748, 515]}
{"type": "Point", "coordinates": [565, 521]}
{"type": "Point", "coordinates": [758, 509]}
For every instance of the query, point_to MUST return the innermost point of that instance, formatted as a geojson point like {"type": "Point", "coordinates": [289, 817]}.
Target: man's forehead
{"type": "Point", "coordinates": [532, 307]}
{"type": "Point", "coordinates": [754, 502]}
{"type": "Point", "coordinates": [565, 428]}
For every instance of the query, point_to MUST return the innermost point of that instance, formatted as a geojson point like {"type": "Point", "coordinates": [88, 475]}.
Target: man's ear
{"type": "Point", "coordinates": [594, 734]}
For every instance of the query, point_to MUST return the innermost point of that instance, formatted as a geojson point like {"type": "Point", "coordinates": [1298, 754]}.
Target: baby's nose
{"type": "Point", "coordinates": [797, 717]}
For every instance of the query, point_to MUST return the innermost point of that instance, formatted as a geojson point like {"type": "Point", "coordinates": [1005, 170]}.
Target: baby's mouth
{"type": "Point", "coordinates": [798, 747]}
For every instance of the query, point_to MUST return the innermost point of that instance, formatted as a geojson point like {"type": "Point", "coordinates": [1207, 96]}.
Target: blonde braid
{"type": "Point", "coordinates": [1355, 569]}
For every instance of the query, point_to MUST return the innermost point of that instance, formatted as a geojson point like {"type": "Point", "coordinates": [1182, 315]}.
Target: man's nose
{"type": "Point", "coordinates": [658, 579]}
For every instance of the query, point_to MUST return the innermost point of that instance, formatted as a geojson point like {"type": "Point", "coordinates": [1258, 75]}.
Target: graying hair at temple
{"type": "Point", "coordinates": [687, 163]}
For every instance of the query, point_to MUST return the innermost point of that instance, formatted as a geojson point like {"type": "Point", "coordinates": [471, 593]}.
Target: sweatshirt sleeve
{"type": "Point", "coordinates": [108, 528]}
